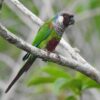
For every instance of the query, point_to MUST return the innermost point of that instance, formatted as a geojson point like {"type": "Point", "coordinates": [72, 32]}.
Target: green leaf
{"type": "Point", "coordinates": [40, 80]}
{"type": "Point", "coordinates": [90, 84]}
{"type": "Point", "coordinates": [87, 83]}
{"type": "Point", "coordinates": [58, 84]}
{"type": "Point", "coordinates": [71, 98]}
{"type": "Point", "coordinates": [94, 3]}
{"type": "Point", "coordinates": [75, 85]}
{"type": "Point", "coordinates": [56, 72]}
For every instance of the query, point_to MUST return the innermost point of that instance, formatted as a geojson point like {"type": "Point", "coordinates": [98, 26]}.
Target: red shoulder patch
{"type": "Point", "coordinates": [51, 45]}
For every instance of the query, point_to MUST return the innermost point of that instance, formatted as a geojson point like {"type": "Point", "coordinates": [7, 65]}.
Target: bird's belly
{"type": "Point", "coordinates": [51, 45]}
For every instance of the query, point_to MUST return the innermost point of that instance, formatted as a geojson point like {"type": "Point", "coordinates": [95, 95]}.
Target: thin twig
{"type": "Point", "coordinates": [24, 13]}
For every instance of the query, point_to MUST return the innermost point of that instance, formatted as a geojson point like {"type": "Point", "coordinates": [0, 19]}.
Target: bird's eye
{"type": "Point", "coordinates": [71, 20]}
{"type": "Point", "coordinates": [60, 19]}
{"type": "Point", "coordinates": [71, 16]}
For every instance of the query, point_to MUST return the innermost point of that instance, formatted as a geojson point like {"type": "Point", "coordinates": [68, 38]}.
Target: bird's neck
{"type": "Point", "coordinates": [59, 28]}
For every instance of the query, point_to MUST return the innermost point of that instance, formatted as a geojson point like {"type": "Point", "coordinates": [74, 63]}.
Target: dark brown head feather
{"type": "Point", "coordinates": [68, 19]}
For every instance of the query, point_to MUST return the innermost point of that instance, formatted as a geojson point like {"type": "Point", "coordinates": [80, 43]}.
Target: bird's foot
{"type": "Point", "coordinates": [48, 53]}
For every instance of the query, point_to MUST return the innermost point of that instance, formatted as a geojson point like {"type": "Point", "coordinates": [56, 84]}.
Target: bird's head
{"type": "Point", "coordinates": [64, 20]}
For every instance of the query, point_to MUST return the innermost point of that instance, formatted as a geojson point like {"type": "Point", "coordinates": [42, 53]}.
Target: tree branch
{"type": "Point", "coordinates": [68, 62]}
{"type": "Point", "coordinates": [23, 13]}
{"type": "Point", "coordinates": [33, 18]}
{"type": "Point", "coordinates": [20, 9]}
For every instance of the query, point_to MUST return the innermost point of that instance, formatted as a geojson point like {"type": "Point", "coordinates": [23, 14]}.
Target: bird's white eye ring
{"type": "Point", "coordinates": [60, 19]}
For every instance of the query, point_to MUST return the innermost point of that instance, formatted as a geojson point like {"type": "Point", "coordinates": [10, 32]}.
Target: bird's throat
{"type": "Point", "coordinates": [59, 29]}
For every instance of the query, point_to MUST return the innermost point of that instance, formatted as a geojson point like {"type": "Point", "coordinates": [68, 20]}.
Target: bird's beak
{"type": "Point", "coordinates": [72, 21]}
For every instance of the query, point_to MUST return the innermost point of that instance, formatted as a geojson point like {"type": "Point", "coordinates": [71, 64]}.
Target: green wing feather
{"type": "Point", "coordinates": [42, 34]}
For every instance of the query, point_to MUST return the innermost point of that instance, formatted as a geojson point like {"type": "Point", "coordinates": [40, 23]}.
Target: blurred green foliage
{"type": "Point", "coordinates": [31, 6]}
{"type": "Point", "coordinates": [4, 69]}
{"type": "Point", "coordinates": [57, 79]}
{"type": "Point", "coordinates": [62, 80]}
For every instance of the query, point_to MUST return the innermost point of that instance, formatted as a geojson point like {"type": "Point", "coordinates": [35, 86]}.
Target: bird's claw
{"type": "Point", "coordinates": [48, 52]}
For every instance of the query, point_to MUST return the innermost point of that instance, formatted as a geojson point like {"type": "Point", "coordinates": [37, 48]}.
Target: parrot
{"type": "Point", "coordinates": [47, 38]}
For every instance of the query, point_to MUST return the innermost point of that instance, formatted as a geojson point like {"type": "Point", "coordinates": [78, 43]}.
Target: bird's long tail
{"type": "Point", "coordinates": [25, 68]}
